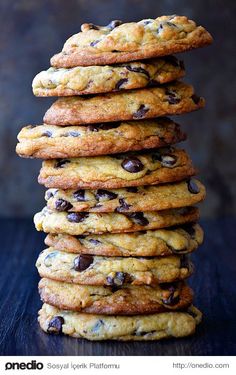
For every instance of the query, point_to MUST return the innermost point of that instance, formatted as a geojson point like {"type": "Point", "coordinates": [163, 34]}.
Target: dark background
{"type": "Point", "coordinates": [32, 31]}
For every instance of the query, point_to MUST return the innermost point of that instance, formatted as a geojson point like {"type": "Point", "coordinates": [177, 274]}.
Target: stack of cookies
{"type": "Point", "coordinates": [120, 213]}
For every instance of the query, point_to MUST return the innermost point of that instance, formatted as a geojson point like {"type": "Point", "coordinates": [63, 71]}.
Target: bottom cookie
{"type": "Point", "coordinates": [125, 328]}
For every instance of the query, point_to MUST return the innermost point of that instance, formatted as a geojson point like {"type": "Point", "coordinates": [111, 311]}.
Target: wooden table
{"type": "Point", "coordinates": [214, 283]}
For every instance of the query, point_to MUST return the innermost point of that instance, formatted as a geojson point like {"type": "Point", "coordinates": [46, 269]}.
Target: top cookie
{"type": "Point", "coordinates": [117, 42]}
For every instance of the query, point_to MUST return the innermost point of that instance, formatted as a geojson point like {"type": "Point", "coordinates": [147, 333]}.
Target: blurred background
{"type": "Point", "coordinates": [32, 31]}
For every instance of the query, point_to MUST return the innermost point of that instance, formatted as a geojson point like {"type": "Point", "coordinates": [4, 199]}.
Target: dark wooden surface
{"type": "Point", "coordinates": [214, 283]}
{"type": "Point", "coordinates": [32, 31]}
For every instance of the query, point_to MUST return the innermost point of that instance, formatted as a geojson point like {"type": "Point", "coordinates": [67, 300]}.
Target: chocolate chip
{"type": "Point", "coordinates": [115, 50]}
{"type": "Point", "coordinates": [196, 99]}
{"type": "Point", "coordinates": [71, 134]}
{"type": "Point", "coordinates": [98, 205]}
{"type": "Point", "coordinates": [123, 206]}
{"type": "Point", "coordinates": [168, 160]}
{"type": "Point", "coordinates": [93, 44]}
{"type": "Point", "coordinates": [132, 165]}
{"type": "Point", "coordinates": [79, 195]}
{"type": "Point", "coordinates": [172, 97]}
{"type": "Point", "coordinates": [147, 22]}
{"type": "Point", "coordinates": [104, 126]}
{"type": "Point", "coordinates": [48, 259]}
{"type": "Point", "coordinates": [62, 205]}
{"type": "Point", "coordinates": [171, 299]}
{"type": "Point", "coordinates": [140, 112]}
{"type": "Point", "coordinates": [160, 28]}
{"type": "Point", "coordinates": [117, 280]}
{"type": "Point", "coordinates": [132, 189]}
{"type": "Point", "coordinates": [120, 83]}
{"type": "Point", "coordinates": [82, 262]}
{"type": "Point", "coordinates": [91, 26]}
{"type": "Point", "coordinates": [114, 24]}
{"type": "Point", "coordinates": [50, 193]}
{"type": "Point", "coordinates": [47, 133]}
{"type": "Point", "coordinates": [55, 325]}
{"type": "Point", "coordinates": [101, 193]}
{"type": "Point", "coordinates": [170, 24]}
{"type": "Point", "coordinates": [138, 218]}
{"type": "Point", "coordinates": [99, 324]}
{"type": "Point", "coordinates": [77, 217]}
{"type": "Point", "coordinates": [61, 163]}
{"type": "Point", "coordinates": [94, 242]}
{"type": "Point", "coordinates": [173, 100]}
{"type": "Point", "coordinates": [192, 187]}
{"type": "Point", "coordinates": [138, 70]}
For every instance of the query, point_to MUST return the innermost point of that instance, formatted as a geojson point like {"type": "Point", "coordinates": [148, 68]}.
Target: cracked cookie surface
{"type": "Point", "coordinates": [128, 300]}
{"type": "Point", "coordinates": [117, 42]}
{"type": "Point", "coordinates": [76, 223]}
{"type": "Point", "coordinates": [147, 198]}
{"type": "Point", "coordinates": [52, 141]}
{"type": "Point", "coordinates": [169, 99]}
{"type": "Point", "coordinates": [160, 242]}
{"type": "Point", "coordinates": [99, 79]}
{"type": "Point", "coordinates": [112, 271]}
{"type": "Point", "coordinates": [125, 328]}
{"type": "Point", "coordinates": [121, 170]}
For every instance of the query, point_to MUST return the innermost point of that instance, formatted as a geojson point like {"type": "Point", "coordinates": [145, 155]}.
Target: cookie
{"type": "Point", "coordinates": [170, 99]}
{"type": "Point", "coordinates": [76, 223]}
{"type": "Point", "coordinates": [117, 42]}
{"type": "Point", "coordinates": [100, 79]}
{"type": "Point", "coordinates": [120, 170]}
{"type": "Point", "coordinates": [125, 328]}
{"type": "Point", "coordinates": [113, 271]}
{"type": "Point", "coordinates": [128, 300]}
{"type": "Point", "coordinates": [145, 198]}
{"type": "Point", "coordinates": [161, 242]}
{"type": "Point", "coordinates": [52, 141]}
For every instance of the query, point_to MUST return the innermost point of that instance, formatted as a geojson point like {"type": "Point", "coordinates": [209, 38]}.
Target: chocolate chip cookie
{"type": "Point", "coordinates": [162, 242]}
{"type": "Point", "coordinates": [117, 42]}
{"type": "Point", "coordinates": [132, 199]}
{"type": "Point", "coordinates": [121, 170]}
{"type": "Point", "coordinates": [76, 223]}
{"type": "Point", "coordinates": [113, 271]}
{"type": "Point", "coordinates": [128, 300]}
{"type": "Point", "coordinates": [169, 99]}
{"type": "Point", "coordinates": [125, 328]}
{"type": "Point", "coordinates": [99, 79]}
{"type": "Point", "coordinates": [52, 141]}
